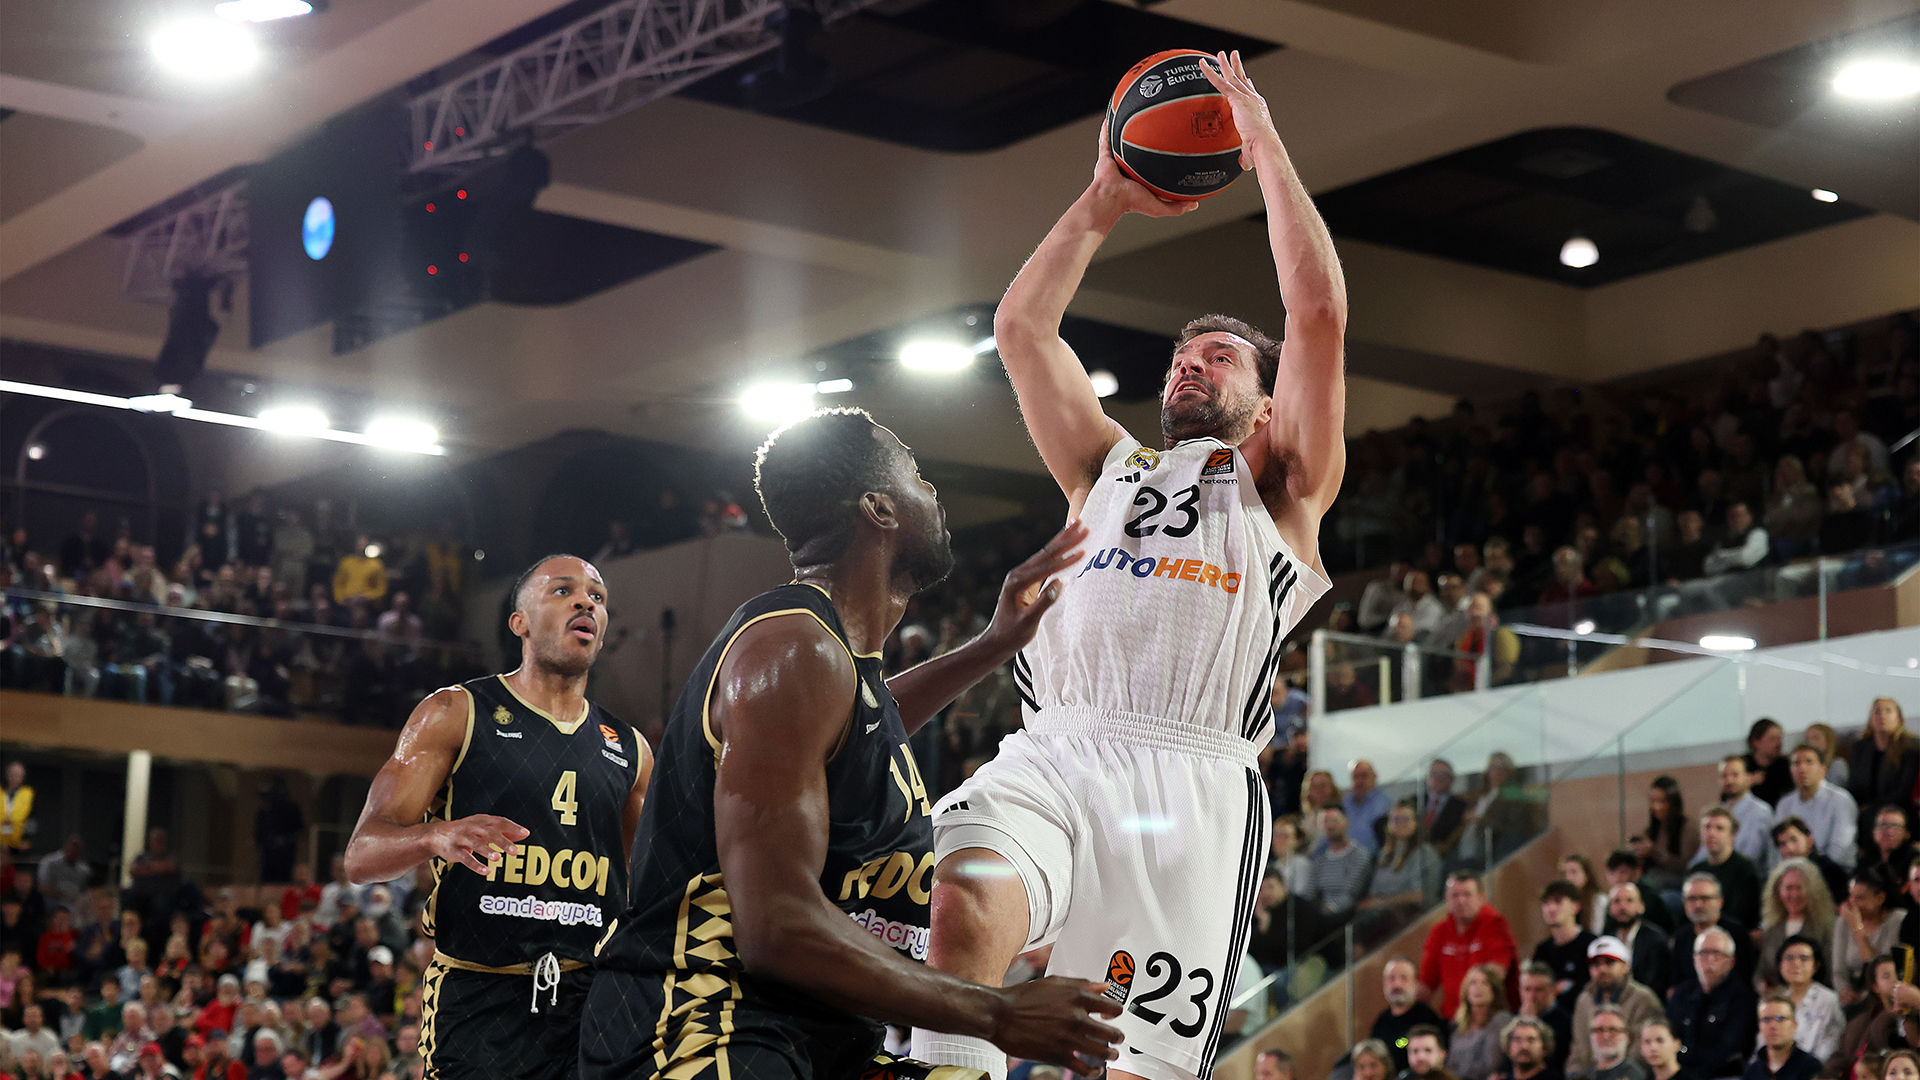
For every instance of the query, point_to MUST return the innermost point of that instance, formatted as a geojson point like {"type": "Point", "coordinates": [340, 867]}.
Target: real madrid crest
{"type": "Point", "coordinates": [501, 715]}
{"type": "Point", "coordinates": [1144, 458]}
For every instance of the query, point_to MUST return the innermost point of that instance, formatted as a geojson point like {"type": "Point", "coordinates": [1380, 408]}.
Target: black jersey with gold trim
{"type": "Point", "coordinates": [567, 784]}
{"type": "Point", "coordinates": [879, 864]}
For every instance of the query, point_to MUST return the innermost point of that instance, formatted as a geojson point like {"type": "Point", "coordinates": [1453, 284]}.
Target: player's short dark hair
{"type": "Point", "coordinates": [1266, 350]}
{"type": "Point", "coordinates": [1279, 1057]}
{"type": "Point", "coordinates": [1464, 875]}
{"type": "Point", "coordinates": [1429, 1030]}
{"type": "Point", "coordinates": [811, 474]}
{"type": "Point", "coordinates": [1561, 888]}
{"type": "Point", "coordinates": [526, 575]}
{"type": "Point", "coordinates": [1791, 821]}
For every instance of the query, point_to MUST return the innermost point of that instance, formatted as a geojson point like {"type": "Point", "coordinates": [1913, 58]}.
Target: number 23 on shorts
{"type": "Point", "coordinates": [1162, 980]}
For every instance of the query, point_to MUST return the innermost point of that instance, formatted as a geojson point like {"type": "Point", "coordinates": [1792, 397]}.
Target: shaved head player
{"type": "Point", "coordinates": [525, 796]}
{"type": "Point", "coordinates": [1127, 824]}
{"type": "Point", "coordinates": [781, 878]}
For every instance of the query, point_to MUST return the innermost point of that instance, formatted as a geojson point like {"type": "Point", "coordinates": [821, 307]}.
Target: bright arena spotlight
{"type": "Point", "coordinates": [578, 506]}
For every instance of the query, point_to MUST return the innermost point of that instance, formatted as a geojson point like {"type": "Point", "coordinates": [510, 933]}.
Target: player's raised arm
{"type": "Point", "coordinates": [1056, 399]}
{"type": "Point", "coordinates": [782, 702]}
{"type": "Point", "coordinates": [1309, 417]}
{"type": "Point", "coordinates": [391, 836]}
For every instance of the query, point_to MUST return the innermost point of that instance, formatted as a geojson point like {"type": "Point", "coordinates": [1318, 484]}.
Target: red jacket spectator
{"type": "Point", "coordinates": [1471, 934]}
{"type": "Point", "coordinates": [55, 955]}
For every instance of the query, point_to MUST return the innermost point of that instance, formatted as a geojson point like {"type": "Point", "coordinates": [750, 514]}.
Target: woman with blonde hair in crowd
{"type": "Point", "coordinates": [1476, 1053]}
{"type": "Point", "coordinates": [1794, 902]}
{"type": "Point", "coordinates": [1317, 792]}
{"type": "Point", "coordinates": [1885, 762]}
{"type": "Point", "coordinates": [1822, 738]}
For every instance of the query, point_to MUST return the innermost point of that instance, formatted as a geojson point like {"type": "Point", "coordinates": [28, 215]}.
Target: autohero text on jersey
{"type": "Point", "coordinates": [1197, 571]}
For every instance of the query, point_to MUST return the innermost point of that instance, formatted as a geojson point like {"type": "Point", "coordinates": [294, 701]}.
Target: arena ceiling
{"type": "Point", "coordinates": [829, 233]}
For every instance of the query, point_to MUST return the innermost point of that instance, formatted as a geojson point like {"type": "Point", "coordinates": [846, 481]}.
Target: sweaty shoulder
{"type": "Point", "coordinates": [788, 666]}
{"type": "Point", "coordinates": [439, 723]}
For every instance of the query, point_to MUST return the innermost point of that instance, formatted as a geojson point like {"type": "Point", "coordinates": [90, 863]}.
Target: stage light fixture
{"type": "Point", "coordinates": [1579, 253]}
{"type": "Point", "coordinates": [204, 49]}
{"type": "Point", "coordinates": [777, 402]}
{"type": "Point", "coordinates": [1105, 383]}
{"type": "Point", "coordinates": [936, 356]}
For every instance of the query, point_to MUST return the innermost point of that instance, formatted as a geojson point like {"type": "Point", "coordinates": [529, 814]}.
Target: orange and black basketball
{"type": "Point", "coordinates": [1171, 130]}
{"type": "Point", "coordinates": [1120, 969]}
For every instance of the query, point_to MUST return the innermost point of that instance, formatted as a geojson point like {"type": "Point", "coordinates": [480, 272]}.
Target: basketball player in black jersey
{"type": "Point", "coordinates": [525, 797]}
{"type": "Point", "coordinates": [785, 860]}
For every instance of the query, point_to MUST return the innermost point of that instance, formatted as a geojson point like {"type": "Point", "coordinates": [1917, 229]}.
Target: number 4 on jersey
{"type": "Point", "coordinates": [564, 798]}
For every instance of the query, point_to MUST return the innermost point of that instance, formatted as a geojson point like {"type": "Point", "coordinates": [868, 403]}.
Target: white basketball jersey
{"type": "Point", "coordinates": [1178, 611]}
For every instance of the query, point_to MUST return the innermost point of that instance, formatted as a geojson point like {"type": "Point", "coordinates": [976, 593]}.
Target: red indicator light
{"type": "Point", "coordinates": [460, 132]}
{"type": "Point", "coordinates": [428, 144]}
{"type": "Point", "coordinates": [463, 256]}
{"type": "Point", "coordinates": [461, 194]}
{"type": "Point", "coordinates": [432, 270]}
{"type": "Point", "coordinates": [430, 208]}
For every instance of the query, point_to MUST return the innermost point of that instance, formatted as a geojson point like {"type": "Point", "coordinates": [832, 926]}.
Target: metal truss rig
{"type": "Point", "coordinates": [208, 237]}
{"type": "Point", "coordinates": [623, 55]}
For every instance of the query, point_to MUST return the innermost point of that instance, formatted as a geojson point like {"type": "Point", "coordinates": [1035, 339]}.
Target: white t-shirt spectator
{"type": "Point", "coordinates": [1744, 553]}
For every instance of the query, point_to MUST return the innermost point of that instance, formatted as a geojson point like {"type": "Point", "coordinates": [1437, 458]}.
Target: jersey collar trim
{"type": "Point", "coordinates": [565, 727]}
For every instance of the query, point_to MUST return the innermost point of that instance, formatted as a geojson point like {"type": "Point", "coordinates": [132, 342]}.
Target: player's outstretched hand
{"type": "Point", "coordinates": [1027, 594]}
{"type": "Point", "coordinates": [1125, 194]}
{"type": "Point", "coordinates": [1250, 115]}
{"type": "Point", "coordinates": [475, 841]}
{"type": "Point", "coordinates": [1054, 1020]}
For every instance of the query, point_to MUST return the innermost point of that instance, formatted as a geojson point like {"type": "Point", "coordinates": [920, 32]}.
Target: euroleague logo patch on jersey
{"type": "Point", "coordinates": [1144, 458]}
{"type": "Point", "coordinates": [613, 749]}
{"type": "Point", "coordinates": [1119, 977]}
{"type": "Point", "coordinates": [1219, 463]}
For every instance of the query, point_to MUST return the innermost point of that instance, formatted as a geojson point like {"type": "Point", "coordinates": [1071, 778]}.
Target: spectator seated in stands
{"type": "Point", "coordinates": [1341, 867]}
{"type": "Point", "coordinates": [1649, 949]}
{"type": "Point", "coordinates": [1660, 1051]}
{"type": "Point", "coordinates": [1801, 975]}
{"type": "Point", "coordinates": [1793, 839]}
{"type": "Point", "coordinates": [1778, 1057]}
{"type": "Point", "coordinates": [1608, 1043]}
{"type": "Point", "coordinates": [1529, 1046]}
{"type": "Point", "coordinates": [1405, 1011]}
{"type": "Point", "coordinates": [1892, 842]}
{"type": "Point", "coordinates": [1752, 814]}
{"type": "Point", "coordinates": [1475, 1052]}
{"type": "Point", "coordinates": [1406, 876]}
{"type": "Point", "coordinates": [1427, 1055]}
{"type": "Point", "coordinates": [1885, 769]}
{"type": "Point", "coordinates": [1795, 903]}
{"type": "Point", "coordinates": [1366, 806]}
{"type": "Point", "coordinates": [1704, 900]}
{"type": "Point", "coordinates": [1564, 949]}
{"type": "Point", "coordinates": [1623, 868]}
{"type": "Point", "coordinates": [1739, 880]}
{"type": "Point", "coordinates": [1714, 1014]}
{"type": "Point", "coordinates": [1866, 926]}
{"type": "Point", "coordinates": [1472, 933]}
{"type": "Point", "coordinates": [1611, 990]}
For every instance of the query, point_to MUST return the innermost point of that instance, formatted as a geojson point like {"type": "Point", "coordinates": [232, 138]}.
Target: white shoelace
{"type": "Point", "coordinates": [546, 976]}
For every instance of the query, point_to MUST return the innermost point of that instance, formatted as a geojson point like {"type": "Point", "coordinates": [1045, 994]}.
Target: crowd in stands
{"type": "Point", "coordinates": [167, 979]}
{"type": "Point", "coordinates": [394, 609]}
{"type": "Point", "coordinates": [1770, 935]}
{"type": "Point", "coordinates": [1577, 496]}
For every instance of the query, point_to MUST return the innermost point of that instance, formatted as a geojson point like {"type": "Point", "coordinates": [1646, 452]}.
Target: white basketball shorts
{"type": "Point", "coordinates": [1141, 844]}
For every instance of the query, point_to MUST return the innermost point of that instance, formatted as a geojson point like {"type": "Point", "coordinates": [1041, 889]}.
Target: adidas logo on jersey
{"type": "Point", "coordinates": [1130, 478]}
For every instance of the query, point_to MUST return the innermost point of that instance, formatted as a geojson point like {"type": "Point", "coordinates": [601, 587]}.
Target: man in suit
{"type": "Point", "coordinates": [1649, 950]}
{"type": "Point", "coordinates": [1444, 811]}
{"type": "Point", "coordinates": [1624, 868]}
{"type": "Point", "coordinates": [1714, 1015]}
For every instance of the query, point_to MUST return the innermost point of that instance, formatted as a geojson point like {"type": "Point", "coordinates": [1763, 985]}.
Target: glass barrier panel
{"type": "Point", "coordinates": [159, 655]}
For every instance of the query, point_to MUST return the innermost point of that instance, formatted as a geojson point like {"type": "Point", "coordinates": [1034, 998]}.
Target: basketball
{"type": "Point", "coordinates": [1171, 130]}
{"type": "Point", "coordinates": [1120, 969]}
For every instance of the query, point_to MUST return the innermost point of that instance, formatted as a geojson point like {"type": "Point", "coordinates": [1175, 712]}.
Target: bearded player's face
{"type": "Point", "coordinates": [563, 613]}
{"type": "Point", "coordinates": [926, 551]}
{"type": "Point", "coordinates": [1212, 389]}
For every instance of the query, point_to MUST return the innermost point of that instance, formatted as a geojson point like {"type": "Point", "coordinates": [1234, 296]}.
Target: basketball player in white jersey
{"type": "Point", "coordinates": [1127, 824]}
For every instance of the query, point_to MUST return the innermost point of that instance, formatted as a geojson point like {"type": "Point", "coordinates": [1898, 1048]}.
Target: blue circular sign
{"type": "Point", "coordinates": [316, 228]}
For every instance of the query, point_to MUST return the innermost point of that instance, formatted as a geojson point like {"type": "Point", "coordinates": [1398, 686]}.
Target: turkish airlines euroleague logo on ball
{"type": "Point", "coordinates": [1150, 85]}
